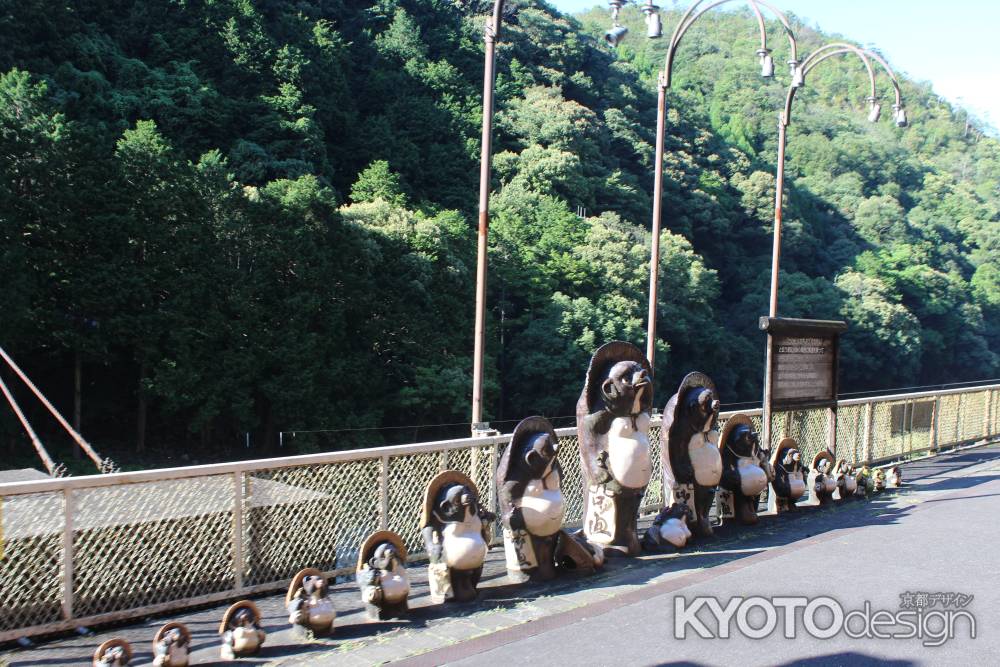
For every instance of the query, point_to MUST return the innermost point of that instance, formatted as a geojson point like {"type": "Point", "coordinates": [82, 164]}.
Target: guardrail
{"type": "Point", "coordinates": [87, 550]}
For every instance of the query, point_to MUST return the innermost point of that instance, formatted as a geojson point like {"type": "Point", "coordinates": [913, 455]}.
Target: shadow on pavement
{"type": "Point", "coordinates": [848, 658]}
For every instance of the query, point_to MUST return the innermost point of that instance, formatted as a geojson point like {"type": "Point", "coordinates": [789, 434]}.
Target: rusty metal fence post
{"type": "Point", "coordinates": [238, 546]}
{"type": "Point", "coordinates": [69, 507]}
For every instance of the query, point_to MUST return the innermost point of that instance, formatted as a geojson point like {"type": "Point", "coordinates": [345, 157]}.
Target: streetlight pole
{"type": "Point", "coordinates": [491, 35]}
{"type": "Point", "coordinates": [784, 118]}
{"type": "Point", "coordinates": [767, 70]}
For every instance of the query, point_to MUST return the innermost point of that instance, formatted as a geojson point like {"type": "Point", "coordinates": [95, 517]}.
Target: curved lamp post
{"type": "Point", "coordinates": [491, 35]}
{"type": "Point", "coordinates": [784, 118]}
{"type": "Point", "coordinates": [767, 70]}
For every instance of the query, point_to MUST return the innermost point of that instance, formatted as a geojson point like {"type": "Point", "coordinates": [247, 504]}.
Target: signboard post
{"type": "Point", "coordinates": [801, 369]}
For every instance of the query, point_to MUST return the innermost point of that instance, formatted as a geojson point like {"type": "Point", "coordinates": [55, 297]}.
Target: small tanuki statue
{"type": "Point", "coordinates": [871, 480]}
{"type": "Point", "coordinates": [690, 461]}
{"type": "Point", "coordinates": [171, 645]}
{"type": "Point", "coordinates": [115, 652]}
{"type": "Point", "coordinates": [744, 471]}
{"type": "Point", "coordinates": [847, 483]}
{"type": "Point", "coordinates": [310, 609]}
{"type": "Point", "coordinates": [381, 575]}
{"type": "Point", "coordinates": [788, 485]}
{"type": "Point", "coordinates": [865, 483]}
{"type": "Point", "coordinates": [456, 531]}
{"type": "Point", "coordinates": [612, 422]}
{"type": "Point", "coordinates": [532, 507]}
{"type": "Point", "coordinates": [241, 632]}
{"type": "Point", "coordinates": [894, 479]}
{"type": "Point", "coordinates": [822, 482]}
{"type": "Point", "coordinates": [669, 529]}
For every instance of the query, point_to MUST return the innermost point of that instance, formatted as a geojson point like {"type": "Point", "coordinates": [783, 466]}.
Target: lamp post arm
{"type": "Point", "coordinates": [818, 56]}
{"type": "Point", "coordinates": [792, 45]}
{"type": "Point", "coordinates": [690, 17]}
{"type": "Point", "coordinates": [838, 48]}
{"type": "Point", "coordinates": [888, 70]}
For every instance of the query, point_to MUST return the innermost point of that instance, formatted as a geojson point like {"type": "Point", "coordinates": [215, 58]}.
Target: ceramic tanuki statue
{"type": "Point", "coordinates": [669, 529]}
{"type": "Point", "coordinates": [894, 479]}
{"type": "Point", "coordinates": [241, 632]}
{"type": "Point", "coordinates": [871, 480]}
{"type": "Point", "coordinates": [847, 484]}
{"type": "Point", "coordinates": [744, 474]}
{"type": "Point", "coordinates": [456, 533]}
{"type": "Point", "coordinates": [821, 482]}
{"type": "Point", "coordinates": [310, 609]}
{"type": "Point", "coordinates": [690, 461]}
{"type": "Point", "coordinates": [788, 485]}
{"type": "Point", "coordinates": [381, 575]}
{"type": "Point", "coordinates": [612, 422]}
{"type": "Point", "coordinates": [171, 645]}
{"type": "Point", "coordinates": [115, 652]}
{"type": "Point", "coordinates": [532, 508]}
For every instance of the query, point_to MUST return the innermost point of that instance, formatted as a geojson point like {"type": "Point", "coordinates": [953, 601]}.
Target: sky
{"type": "Point", "coordinates": [953, 44]}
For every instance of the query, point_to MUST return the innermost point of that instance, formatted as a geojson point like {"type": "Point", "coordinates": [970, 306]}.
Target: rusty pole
{"type": "Point", "coordinates": [775, 256]}
{"type": "Point", "coordinates": [490, 36]}
{"type": "Point", "coordinates": [784, 118]}
{"type": "Point", "coordinates": [686, 21]}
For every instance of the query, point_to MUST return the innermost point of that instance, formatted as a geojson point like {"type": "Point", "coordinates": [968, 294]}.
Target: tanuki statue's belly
{"type": "Point", "coordinates": [464, 546]}
{"type": "Point", "coordinates": [628, 451]}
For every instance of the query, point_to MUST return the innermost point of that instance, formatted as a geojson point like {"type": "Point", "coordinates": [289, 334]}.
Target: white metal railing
{"type": "Point", "coordinates": [131, 544]}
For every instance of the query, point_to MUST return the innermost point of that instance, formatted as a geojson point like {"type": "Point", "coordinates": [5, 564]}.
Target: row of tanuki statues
{"type": "Point", "coordinates": [613, 416]}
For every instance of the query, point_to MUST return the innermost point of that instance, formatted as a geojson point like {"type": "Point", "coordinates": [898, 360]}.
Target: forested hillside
{"type": "Point", "coordinates": [231, 216]}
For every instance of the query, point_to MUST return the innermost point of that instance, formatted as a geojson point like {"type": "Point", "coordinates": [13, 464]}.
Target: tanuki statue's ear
{"type": "Point", "coordinates": [608, 390]}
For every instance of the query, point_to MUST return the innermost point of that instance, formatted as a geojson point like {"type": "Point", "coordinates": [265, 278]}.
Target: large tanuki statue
{"type": "Point", "coordinates": [612, 421]}
{"type": "Point", "coordinates": [456, 534]}
{"type": "Point", "coordinates": [532, 508]}
{"type": "Point", "coordinates": [691, 462]}
{"type": "Point", "coordinates": [744, 471]}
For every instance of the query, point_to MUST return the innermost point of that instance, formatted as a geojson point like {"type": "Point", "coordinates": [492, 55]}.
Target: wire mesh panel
{"type": "Point", "coordinates": [140, 544]}
{"type": "Point", "coordinates": [883, 445]}
{"type": "Point", "coordinates": [408, 478]}
{"type": "Point", "coordinates": [994, 412]}
{"type": "Point", "coordinates": [808, 427]}
{"type": "Point", "coordinates": [973, 413]}
{"type": "Point", "coordinates": [309, 516]}
{"type": "Point", "coordinates": [851, 433]}
{"type": "Point", "coordinates": [32, 553]}
{"type": "Point", "coordinates": [652, 500]}
{"type": "Point", "coordinates": [572, 479]}
{"type": "Point", "coordinates": [949, 420]}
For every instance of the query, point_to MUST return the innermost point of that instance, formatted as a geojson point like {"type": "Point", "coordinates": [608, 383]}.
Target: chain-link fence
{"type": "Point", "coordinates": [85, 550]}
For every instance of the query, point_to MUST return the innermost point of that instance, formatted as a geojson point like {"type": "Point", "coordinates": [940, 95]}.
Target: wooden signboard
{"type": "Point", "coordinates": [804, 362]}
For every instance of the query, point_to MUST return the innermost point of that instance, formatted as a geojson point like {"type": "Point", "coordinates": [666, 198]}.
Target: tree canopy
{"type": "Point", "coordinates": [244, 217]}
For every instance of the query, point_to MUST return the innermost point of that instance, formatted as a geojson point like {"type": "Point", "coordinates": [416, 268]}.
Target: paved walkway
{"type": "Point", "coordinates": [910, 540]}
